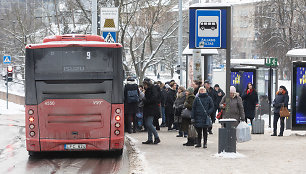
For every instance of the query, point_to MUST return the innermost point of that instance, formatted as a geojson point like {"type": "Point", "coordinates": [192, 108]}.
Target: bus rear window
{"type": "Point", "coordinates": [73, 59]}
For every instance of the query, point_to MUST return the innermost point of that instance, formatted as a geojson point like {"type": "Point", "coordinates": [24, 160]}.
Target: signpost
{"type": "Point", "coordinates": [271, 61]}
{"type": "Point", "coordinates": [7, 59]}
{"type": "Point", "coordinates": [109, 24]}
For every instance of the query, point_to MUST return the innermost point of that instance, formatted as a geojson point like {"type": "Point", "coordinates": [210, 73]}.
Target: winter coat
{"type": "Point", "coordinates": [250, 100]}
{"type": "Point", "coordinates": [218, 98]}
{"type": "Point", "coordinates": [189, 101]}
{"type": "Point", "coordinates": [179, 103]}
{"type": "Point", "coordinates": [198, 115]}
{"type": "Point", "coordinates": [171, 96]}
{"type": "Point", "coordinates": [280, 100]}
{"type": "Point", "coordinates": [151, 102]}
{"type": "Point", "coordinates": [163, 93]}
{"type": "Point", "coordinates": [236, 110]}
{"type": "Point", "coordinates": [130, 108]}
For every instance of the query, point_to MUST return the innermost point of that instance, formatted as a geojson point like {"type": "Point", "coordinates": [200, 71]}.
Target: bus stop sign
{"type": "Point", "coordinates": [207, 28]}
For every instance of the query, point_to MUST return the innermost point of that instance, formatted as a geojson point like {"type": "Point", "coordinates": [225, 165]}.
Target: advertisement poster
{"type": "Point", "coordinates": [240, 80]}
{"type": "Point", "coordinates": [300, 95]}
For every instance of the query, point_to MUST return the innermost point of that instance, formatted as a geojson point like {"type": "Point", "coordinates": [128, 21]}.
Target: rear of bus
{"type": "Point", "coordinates": [74, 98]}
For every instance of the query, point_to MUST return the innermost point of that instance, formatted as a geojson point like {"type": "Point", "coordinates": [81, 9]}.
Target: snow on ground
{"type": "Point", "coordinates": [12, 108]}
{"type": "Point", "coordinates": [137, 158]}
{"type": "Point", "coordinates": [228, 155]}
{"type": "Point", "coordinates": [14, 88]}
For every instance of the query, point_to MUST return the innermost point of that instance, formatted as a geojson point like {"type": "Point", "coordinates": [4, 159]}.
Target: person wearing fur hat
{"type": "Point", "coordinates": [131, 99]}
{"type": "Point", "coordinates": [281, 99]}
{"type": "Point", "coordinates": [178, 108]}
{"type": "Point", "coordinates": [186, 121]}
{"type": "Point", "coordinates": [235, 108]}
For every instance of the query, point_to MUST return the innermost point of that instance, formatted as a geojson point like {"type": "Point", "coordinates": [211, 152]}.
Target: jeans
{"type": "Point", "coordinates": [275, 120]}
{"type": "Point", "coordinates": [163, 115]}
{"type": "Point", "coordinates": [150, 128]}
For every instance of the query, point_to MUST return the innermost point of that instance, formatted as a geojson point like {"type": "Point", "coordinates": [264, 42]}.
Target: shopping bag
{"type": "Point", "coordinates": [284, 112]}
{"type": "Point", "coordinates": [192, 133]}
{"type": "Point", "coordinates": [243, 132]}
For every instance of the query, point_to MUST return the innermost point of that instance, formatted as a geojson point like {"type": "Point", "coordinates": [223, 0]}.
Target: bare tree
{"type": "Point", "coordinates": [280, 27]}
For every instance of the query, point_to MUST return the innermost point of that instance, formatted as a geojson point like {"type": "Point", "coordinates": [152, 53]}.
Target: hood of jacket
{"type": "Point", "coordinates": [131, 82]}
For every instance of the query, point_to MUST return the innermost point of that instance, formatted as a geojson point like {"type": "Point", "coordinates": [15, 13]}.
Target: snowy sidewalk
{"type": "Point", "coordinates": [263, 154]}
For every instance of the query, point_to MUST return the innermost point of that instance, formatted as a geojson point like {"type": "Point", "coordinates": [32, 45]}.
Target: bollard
{"type": "Point", "coordinates": [227, 136]}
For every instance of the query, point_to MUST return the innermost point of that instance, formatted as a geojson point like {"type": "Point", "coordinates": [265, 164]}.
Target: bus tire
{"type": "Point", "coordinates": [31, 153]}
{"type": "Point", "coordinates": [119, 152]}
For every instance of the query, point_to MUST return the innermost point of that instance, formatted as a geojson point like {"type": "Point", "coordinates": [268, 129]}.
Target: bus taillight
{"type": "Point", "coordinates": [31, 126]}
{"type": "Point", "coordinates": [32, 133]}
{"type": "Point", "coordinates": [31, 112]}
{"type": "Point", "coordinates": [118, 110]}
{"type": "Point", "coordinates": [117, 132]}
{"type": "Point", "coordinates": [117, 125]}
{"type": "Point", "coordinates": [31, 119]}
{"type": "Point", "coordinates": [117, 118]}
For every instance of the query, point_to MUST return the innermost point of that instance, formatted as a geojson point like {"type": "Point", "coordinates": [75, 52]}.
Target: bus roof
{"type": "Point", "coordinates": [73, 40]}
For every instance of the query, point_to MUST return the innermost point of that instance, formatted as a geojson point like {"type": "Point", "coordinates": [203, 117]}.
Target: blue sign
{"type": "Point", "coordinates": [7, 59]}
{"type": "Point", "coordinates": [109, 36]}
{"type": "Point", "coordinates": [207, 28]}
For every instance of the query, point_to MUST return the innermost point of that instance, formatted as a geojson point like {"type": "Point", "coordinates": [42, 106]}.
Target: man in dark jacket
{"type": "Point", "coordinates": [131, 98]}
{"type": "Point", "coordinates": [281, 99]}
{"type": "Point", "coordinates": [212, 94]}
{"type": "Point", "coordinates": [196, 85]}
{"type": "Point", "coordinates": [171, 96]}
{"type": "Point", "coordinates": [150, 110]}
{"type": "Point", "coordinates": [219, 94]}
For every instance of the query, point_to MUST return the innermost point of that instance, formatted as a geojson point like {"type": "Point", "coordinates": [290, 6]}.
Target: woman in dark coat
{"type": "Point", "coordinates": [187, 121]}
{"type": "Point", "coordinates": [169, 109]}
{"type": "Point", "coordinates": [250, 101]}
{"type": "Point", "coordinates": [178, 108]}
{"type": "Point", "coordinates": [200, 114]}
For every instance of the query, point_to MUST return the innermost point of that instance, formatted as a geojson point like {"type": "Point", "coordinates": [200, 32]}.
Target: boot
{"type": "Point", "coordinates": [156, 141]}
{"type": "Point", "coordinates": [274, 134]}
{"type": "Point", "coordinates": [148, 142]}
{"type": "Point", "coordinates": [180, 134]}
{"type": "Point", "coordinates": [280, 134]}
{"type": "Point", "coordinates": [198, 143]}
{"type": "Point", "coordinates": [190, 142]}
{"type": "Point", "coordinates": [205, 144]}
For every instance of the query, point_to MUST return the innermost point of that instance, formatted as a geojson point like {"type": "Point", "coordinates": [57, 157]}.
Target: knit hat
{"type": "Point", "coordinates": [283, 87]}
{"type": "Point", "coordinates": [190, 90]}
{"type": "Point", "coordinates": [232, 89]}
{"type": "Point", "coordinates": [216, 85]}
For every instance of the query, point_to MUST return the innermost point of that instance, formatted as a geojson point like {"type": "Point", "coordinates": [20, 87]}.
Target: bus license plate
{"type": "Point", "coordinates": [75, 146]}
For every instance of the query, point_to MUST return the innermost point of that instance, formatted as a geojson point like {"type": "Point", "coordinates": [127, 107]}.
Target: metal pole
{"type": "Point", "coordinates": [94, 17]}
{"type": "Point", "coordinates": [270, 94]}
{"type": "Point", "coordinates": [6, 89]}
{"type": "Point", "coordinates": [228, 56]}
{"type": "Point", "coordinates": [180, 33]}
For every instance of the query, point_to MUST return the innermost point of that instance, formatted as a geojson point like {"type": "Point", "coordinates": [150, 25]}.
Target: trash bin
{"type": "Point", "coordinates": [227, 136]}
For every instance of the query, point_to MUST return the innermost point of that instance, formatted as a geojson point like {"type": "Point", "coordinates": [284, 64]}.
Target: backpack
{"type": "Point", "coordinates": [132, 96]}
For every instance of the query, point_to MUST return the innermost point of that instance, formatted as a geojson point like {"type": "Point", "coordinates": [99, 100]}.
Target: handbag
{"type": "Point", "coordinates": [208, 119]}
{"type": "Point", "coordinates": [186, 113]}
{"type": "Point", "coordinates": [220, 114]}
{"type": "Point", "coordinates": [284, 112]}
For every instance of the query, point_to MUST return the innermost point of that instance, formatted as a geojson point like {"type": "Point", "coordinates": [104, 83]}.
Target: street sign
{"type": "Point", "coordinates": [271, 61]}
{"type": "Point", "coordinates": [109, 19]}
{"type": "Point", "coordinates": [109, 36]}
{"type": "Point", "coordinates": [207, 28]}
{"type": "Point", "coordinates": [7, 59]}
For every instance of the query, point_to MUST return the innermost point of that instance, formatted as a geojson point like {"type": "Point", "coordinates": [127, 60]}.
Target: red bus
{"type": "Point", "coordinates": [74, 95]}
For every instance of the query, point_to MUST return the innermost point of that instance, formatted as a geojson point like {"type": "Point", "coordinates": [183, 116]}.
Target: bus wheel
{"type": "Point", "coordinates": [119, 152]}
{"type": "Point", "coordinates": [31, 153]}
